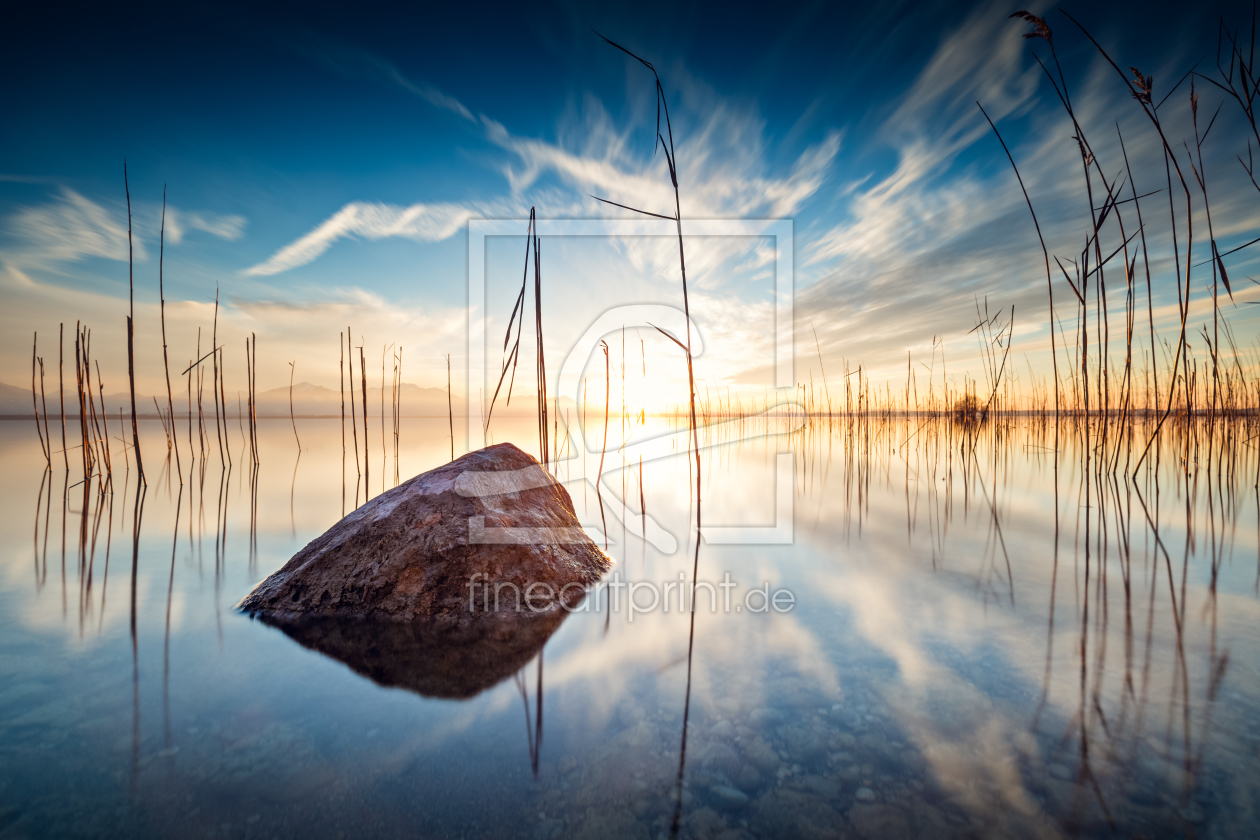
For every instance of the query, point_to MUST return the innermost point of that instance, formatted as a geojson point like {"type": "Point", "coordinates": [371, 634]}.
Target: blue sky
{"type": "Point", "coordinates": [321, 163]}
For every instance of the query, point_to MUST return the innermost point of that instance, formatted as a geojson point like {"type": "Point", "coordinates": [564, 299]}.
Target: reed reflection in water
{"type": "Point", "coordinates": [995, 632]}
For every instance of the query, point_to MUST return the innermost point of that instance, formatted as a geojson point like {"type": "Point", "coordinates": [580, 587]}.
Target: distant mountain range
{"type": "Point", "coordinates": [308, 401]}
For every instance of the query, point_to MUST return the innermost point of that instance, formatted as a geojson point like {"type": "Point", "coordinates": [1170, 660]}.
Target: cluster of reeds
{"type": "Point", "coordinates": [1094, 385]}
{"type": "Point", "coordinates": [1169, 380]}
{"type": "Point", "coordinates": [391, 437]}
{"type": "Point", "coordinates": [363, 467]}
{"type": "Point", "coordinates": [93, 423]}
{"type": "Point", "coordinates": [88, 403]}
{"type": "Point", "coordinates": [1218, 381]}
{"type": "Point", "coordinates": [218, 396]}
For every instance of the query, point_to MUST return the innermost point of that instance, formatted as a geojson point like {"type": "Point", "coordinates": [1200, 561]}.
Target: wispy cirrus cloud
{"type": "Point", "coordinates": [917, 250]}
{"type": "Point", "coordinates": [370, 220]}
{"type": "Point", "coordinates": [358, 63]}
{"type": "Point", "coordinates": [179, 222]}
{"type": "Point", "coordinates": [725, 168]}
{"type": "Point", "coordinates": [73, 227]}
{"type": "Point", "coordinates": [983, 60]}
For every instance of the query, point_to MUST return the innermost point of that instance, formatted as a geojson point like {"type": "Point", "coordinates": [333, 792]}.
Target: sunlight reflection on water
{"type": "Point", "coordinates": [981, 645]}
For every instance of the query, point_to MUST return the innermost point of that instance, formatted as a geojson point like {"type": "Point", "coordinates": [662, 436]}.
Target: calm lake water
{"type": "Point", "coordinates": [986, 637]}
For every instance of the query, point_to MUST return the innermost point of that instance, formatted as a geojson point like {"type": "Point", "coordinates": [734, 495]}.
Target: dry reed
{"type": "Point", "coordinates": [131, 314]}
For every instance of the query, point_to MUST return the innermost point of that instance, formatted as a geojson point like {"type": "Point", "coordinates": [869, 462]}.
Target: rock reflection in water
{"type": "Point", "coordinates": [443, 659]}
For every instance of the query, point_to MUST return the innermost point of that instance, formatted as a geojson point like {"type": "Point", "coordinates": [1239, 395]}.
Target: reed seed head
{"type": "Point", "coordinates": [1041, 29]}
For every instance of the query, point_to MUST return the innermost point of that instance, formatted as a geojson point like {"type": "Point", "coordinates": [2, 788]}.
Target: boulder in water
{"type": "Point", "coordinates": [492, 531]}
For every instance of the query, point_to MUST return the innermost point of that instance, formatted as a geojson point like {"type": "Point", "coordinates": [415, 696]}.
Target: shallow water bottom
{"type": "Point", "coordinates": [972, 652]}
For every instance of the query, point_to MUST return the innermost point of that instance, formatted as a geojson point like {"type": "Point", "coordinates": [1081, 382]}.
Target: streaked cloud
{"type": "Point", "coordinates": [179, 222]}
{"type": "Point", "coordinates": [368, 220]}
{"type": "Point", "coordinates": [724, 163]}
{"type": "Point", "coordinates": [26, 179]}
{"type": "Point", "coordinates": [359, 63]}
{"type": "Point", "coordinates": [917, 247]}
{"type": "Point", "coordinates": [73, 227]}
{"type": "Point", "coordinates": [14, 278]}
{"type": "Point", "coordinates": [724, 166]}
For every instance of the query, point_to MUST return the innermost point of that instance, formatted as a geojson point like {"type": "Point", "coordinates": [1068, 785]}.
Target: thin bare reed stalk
{"type": "Point", "coordinates": [61, 385]}
{"type": "Point", "coordinates": [216, 389]}
{"type": "Point", "coordinates": [584, 482]}
{"type": "Point", "coordinates": [599, 476]}
{"type": "Point", "coordinates": [667, 148]}
{"type": "Point", "coordinates": [450, 407]}
{"type": "Point", "coordinates": [214, 370]}
{"type": "Point", "coordinates": [1218, 264]}
{"type": "Point", "coordinates": [131, 314]}
{"type": "Point", "coordinates": [393, 408]}
{"type": "Point", "coordinates": [367, 475]}
{"type": "Point", "coordinates": [43, 400]}
{"type": "Point", "coordinates": [162, 418]}
{"type": "Point", "coordinates": [95, 427]}
{"type": "Point", "coordinates": [539, 356]}
{"type": "Point", "coordinates": [1045, 253]}
{"type": "Point", "coordinates": [43, 445]}
{"type": "Point", "coordinates": [201, 420]}
{"type": "Point", "coordinates": [671, 160]}
{"type": "Point", "coordinates": [191, 454]}
{"type": "Point", "coordinates": [823, 370]}
{"type": "Point", "coordinates": [83, 414]}
{"type": "Point", "coordinates": [341, 374]}
{"type": "Point", "coordinates": [173, 439]}
{"type": "Point", "coordinates": [292, 419]}
{"type": "Point", "coordinates": [398, 408]}
{"type": "Point", "coordinates": [195, 368]}
{"type": "Point", "coordinates": [384, 350]}
{"type": "Point", "coordinates": [108, 458]}
{"type": "Point", "coordinates": [354, 420]}
{"type": "Point", "coordinates": [249, 396]}
{"type": "Point", "coordinates": [1146, 262]}
{"type": "Point", "coordinates": [97, 441]}
{"type": "Point", "coordinates": [253, 410]}
{"type": "Point", "coordinates": [121, 428]}
{"type": "Point", "coordinates": [517, 320]}
{"type": "Point", "coordinates": [250, 376]}
{"type": "Point", "coordinates": [223, 401]}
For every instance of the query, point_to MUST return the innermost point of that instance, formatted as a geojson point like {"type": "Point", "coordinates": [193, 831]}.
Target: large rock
{"type": "Point", "coordinates": [491, 531]}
